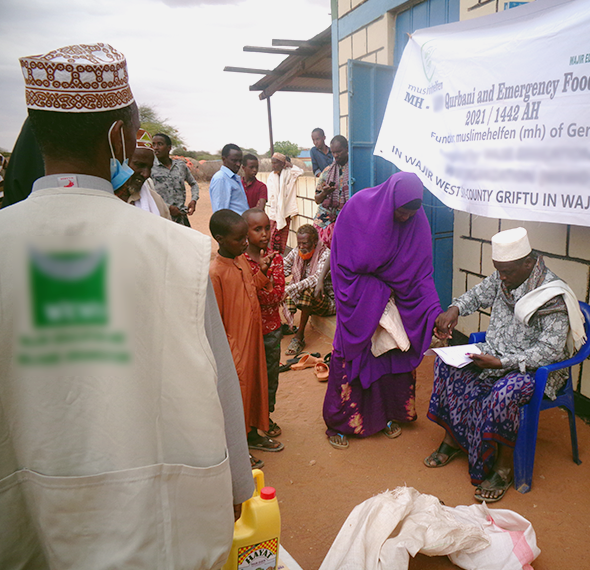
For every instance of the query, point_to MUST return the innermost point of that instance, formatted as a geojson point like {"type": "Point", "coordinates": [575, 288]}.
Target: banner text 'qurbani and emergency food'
{"type": "Point", "coordinates": [493, 114]}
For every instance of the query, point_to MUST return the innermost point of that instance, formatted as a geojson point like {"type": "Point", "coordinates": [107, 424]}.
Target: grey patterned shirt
{"type": "Point", "coordinates": [169, 183]}
{"type": "Point", "coordinates": [518, 346]}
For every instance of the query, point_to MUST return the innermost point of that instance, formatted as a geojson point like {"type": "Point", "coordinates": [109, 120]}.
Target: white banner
{"type": "Point", "coordinates": [493, 114]}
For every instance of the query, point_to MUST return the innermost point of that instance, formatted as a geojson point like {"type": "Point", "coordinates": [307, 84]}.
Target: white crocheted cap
{"type": "Point", "coordinates": [77, 79]}
{"type": "Point", "coordinates": [510, 245]}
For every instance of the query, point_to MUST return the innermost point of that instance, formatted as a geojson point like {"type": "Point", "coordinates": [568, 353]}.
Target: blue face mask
{"type": "Point", "coordinates": [120, 173]}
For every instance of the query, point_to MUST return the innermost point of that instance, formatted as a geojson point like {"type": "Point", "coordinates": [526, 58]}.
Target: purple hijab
{"type": "Point", "coordinates": [371, 256]}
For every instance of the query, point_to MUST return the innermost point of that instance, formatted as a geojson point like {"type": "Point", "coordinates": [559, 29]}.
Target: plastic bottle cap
{"type": "Point", "coordinates": [268, 493]}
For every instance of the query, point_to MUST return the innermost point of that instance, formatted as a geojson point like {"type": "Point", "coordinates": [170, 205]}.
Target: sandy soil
{"type": "Point", "coordinates": [318, 486]}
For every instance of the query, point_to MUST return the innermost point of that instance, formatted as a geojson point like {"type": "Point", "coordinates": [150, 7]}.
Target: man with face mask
{"type": "Point", "coordinates": [139, 189]}
{"type": "Point", "coordinates": [114, 375]}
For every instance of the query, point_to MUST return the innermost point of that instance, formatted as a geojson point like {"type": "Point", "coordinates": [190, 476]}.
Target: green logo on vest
{"type": "Point", "coordinates": [69, 289]}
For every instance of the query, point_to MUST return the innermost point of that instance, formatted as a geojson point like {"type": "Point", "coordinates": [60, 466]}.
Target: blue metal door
{"type": "Point", "coordinates": [369, 86]}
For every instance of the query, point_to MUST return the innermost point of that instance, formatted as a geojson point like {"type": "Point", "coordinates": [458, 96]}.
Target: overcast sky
{"type": "Point", "coordinates": [176, 51]}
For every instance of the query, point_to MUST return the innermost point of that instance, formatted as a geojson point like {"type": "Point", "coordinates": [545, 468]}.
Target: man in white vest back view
{"type": "Point", "coordinates": [122, 439]}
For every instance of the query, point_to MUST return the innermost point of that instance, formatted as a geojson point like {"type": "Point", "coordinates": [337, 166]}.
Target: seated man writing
{"type": "Point", "coordinates": [310, 289]}
{"type": "Point", "coordinates": [535, 321]}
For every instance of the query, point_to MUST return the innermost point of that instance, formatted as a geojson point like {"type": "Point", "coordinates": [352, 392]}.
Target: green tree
{"type": "Point", "coordinates": [287, 148]}
{"type": "Point", "coordinates": [153, 123]}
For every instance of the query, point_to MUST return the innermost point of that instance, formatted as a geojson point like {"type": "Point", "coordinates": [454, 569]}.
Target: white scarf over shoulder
{"type": "Point", "coordinates": [282, 195]}
{"type": "Point", "coordinates": [526, 307]}
{"type": "Point", "coordinates": [146, 202]}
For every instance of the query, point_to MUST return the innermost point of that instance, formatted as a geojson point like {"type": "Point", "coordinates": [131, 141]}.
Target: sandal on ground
{"type": "Point", "coordinates": [306, 361]}
{"type": "Point", "coordinates": [295, 346]}
{"type": "Point", "coordinates": [495, 483]}
{"type": "Point", "coordinates": [322, 371]}
{"type": "Point", "coordinates": [392, 429]}
{"type": "Point", "coordinates": [444, 450]}
{"type": "Point", "coordinates": [284, 367]}
{"type": "Point", "coordinates": [264, 443]}
{"type": "Point", "coordinates": [286, 329]}
{"type": "Point", "coordinates": [328, 357]}
{"type": "Point", "coordinates": [256, 463]}
{"type": "Point", "coordinates": [273, 429]}
{"type": "Point", "coordinates": [339, 441]}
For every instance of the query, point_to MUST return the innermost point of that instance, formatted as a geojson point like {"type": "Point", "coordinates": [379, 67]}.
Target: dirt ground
{"type": "Point", "coordinates": [317, 486]}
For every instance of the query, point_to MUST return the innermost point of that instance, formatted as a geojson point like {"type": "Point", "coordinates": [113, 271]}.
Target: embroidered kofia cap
{"type": "Point", "coordinates": [144, 139]}
{"type": "Point", "coordinates": [510, 245]}
{"type": "Point", "coordinates": [77, 79]}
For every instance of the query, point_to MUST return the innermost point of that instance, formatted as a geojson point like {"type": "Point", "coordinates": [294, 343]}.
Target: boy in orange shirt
{"type": "Point", "coordinates": [236, 292]}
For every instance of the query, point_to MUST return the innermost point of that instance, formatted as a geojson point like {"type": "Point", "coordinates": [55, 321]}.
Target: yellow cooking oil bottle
{"type": "Point", "coordinates": [257, 531]}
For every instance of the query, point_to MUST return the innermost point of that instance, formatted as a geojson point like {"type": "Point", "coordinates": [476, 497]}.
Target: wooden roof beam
{"type": "Point", "coordinates": [297, 89]}
{"type": "Point", "coordinates": [299, 68]}
{"type": "Point", "coordinates": [294, 43]}
{"type": "Point", "coordinates": [280, 51]}
{"type": "Point", "coordinates": [249, 70]}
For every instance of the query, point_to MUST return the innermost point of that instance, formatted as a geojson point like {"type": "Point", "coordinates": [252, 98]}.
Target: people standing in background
{"type": "Point", "coordinates": [321, 155]}
{"type": "Point", "coordinates": [332, 190]}
{"type": "Point", "coordinates": [270, 302]}
{"type": "Point", "coordinates": [169, 175]}
{"type": "Point", "coordinates": [282, 199]}
{"type": "Point", "coordinates": [226, 189]}
{"type": "Point", "coordinates": [256, 192]}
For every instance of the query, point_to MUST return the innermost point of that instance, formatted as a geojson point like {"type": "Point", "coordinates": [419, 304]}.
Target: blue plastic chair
{"type": "Point", "coordinates": [526, 442]}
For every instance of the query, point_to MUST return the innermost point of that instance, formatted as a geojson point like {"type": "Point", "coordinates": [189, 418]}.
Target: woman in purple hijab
{"type": "Point", "coordinates": [381, 244]}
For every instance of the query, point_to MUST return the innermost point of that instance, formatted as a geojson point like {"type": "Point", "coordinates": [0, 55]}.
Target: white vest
{"type": "Point", "coordinates": [112, 444]}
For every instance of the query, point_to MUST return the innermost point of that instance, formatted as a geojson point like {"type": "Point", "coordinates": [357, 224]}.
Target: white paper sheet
{"type": "Point", "coordinates": [455, 355]}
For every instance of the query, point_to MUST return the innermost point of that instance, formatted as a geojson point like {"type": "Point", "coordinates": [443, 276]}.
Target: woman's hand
{"type": "Point", "coordinates": [446, 322]}
{"type": "Point", "coordinates": [485, 360]}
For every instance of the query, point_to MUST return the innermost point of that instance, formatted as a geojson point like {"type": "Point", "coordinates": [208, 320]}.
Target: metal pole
{"type": "Point", "coordinates": [272, 146]}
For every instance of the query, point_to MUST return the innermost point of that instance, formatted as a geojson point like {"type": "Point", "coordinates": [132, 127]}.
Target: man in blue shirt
{"type": "Point", "coordinates": [226, 190]}
{"type": "Point", "coordinates": [321, 155]}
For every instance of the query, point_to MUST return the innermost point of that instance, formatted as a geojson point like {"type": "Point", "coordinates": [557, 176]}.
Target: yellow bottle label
{"type": "Point", "coordinates": [261, 556]}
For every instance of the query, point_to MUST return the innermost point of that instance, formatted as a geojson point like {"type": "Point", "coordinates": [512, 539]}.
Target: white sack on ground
{"type": "Point", "coordinates": [513, 540]}
{"type": "Point", "coordinates": [382, 532]}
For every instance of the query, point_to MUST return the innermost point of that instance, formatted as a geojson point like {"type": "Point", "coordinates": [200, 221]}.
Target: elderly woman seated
{"type": "Point", "coordinates": [310, 289]}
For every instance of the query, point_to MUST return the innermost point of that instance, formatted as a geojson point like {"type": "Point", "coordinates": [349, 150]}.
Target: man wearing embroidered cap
{"type": "Point", "coordinates": [282, 199]}
{"type": "Point", "coordinates": [535, 320]}
{"type": "Point", "coordinates": [114, 376]}
{"type": "Point", "coordinates": [139, 189]}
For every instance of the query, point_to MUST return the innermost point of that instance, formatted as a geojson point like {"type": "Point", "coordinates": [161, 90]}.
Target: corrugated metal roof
{"type": "Point", "coordinates": [308, 69]}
